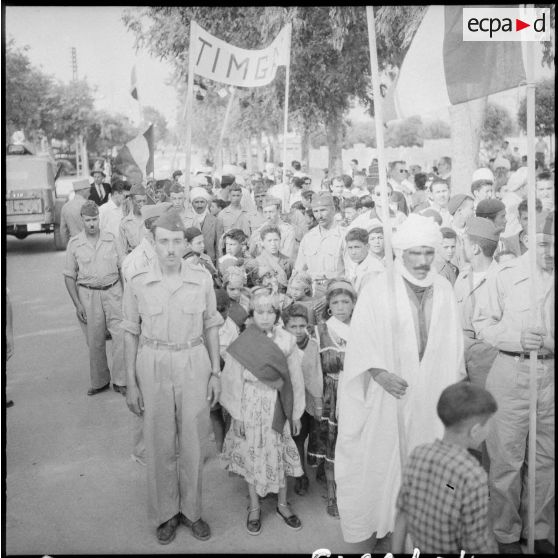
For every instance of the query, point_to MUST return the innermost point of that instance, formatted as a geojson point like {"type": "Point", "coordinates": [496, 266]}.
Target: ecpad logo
{"type": "Point", "coordinates": [506, 24]}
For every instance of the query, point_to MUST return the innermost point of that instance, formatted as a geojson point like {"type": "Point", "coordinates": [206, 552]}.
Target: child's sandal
{"type": "Point", "coordinates": [292, 521]}
{"type": "Point", "coordinates": [254, 526]}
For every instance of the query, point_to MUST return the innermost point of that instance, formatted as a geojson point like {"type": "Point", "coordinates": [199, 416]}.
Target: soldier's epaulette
{"type": "Point", "coordinates": [509, 265]}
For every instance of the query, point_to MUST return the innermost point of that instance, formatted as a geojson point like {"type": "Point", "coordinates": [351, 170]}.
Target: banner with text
{"type": "Point", "coordinates": [217, 60]}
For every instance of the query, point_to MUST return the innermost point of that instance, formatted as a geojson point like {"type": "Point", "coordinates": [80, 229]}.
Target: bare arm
{"type": "Point", "coordinates": [71, 286]}
{"type": "Point", "coordinates": [134, 398]}
{"type": "Point", "coordinates": [214, 384]}
{"type": "Point", "coordinates": [399, 534]}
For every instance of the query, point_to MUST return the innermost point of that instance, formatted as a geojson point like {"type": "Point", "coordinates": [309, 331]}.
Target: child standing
{"type": "Point", "coordinates": [295, 320]}
{"type": "Point", "coordinates": [443, 500]}
{"type": "Point", "coordinates": [263, 390]}
{"type": "Point", "coordinates": [234, 283]}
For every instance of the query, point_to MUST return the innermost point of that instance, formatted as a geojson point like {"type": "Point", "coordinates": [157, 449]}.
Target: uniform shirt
{"type": "Point", "coordinates": [232, 218]}
{"type": "Point", "coordinates": [256, 220]}
{"type": "Point", "coordinates": [110, 216]}
{"type": "Point", "coordinates": [131, 232]}
{"type": "Point", "coordinates": [321, 253]}
{"type": "Point", "coordinates": [446, 269]}
{"type": "Point", "coordinates": [444, 494]}
{"type": "Point", "coordinates": [94, 266]}
{"type": "Point", "coordinates": [139, 259]}
{"type": "Point", "coordinates": [507, 308]}
{"type": "Point", "coordinates": [70, 218]}
{"type": "Point", "coordinates": [287, 246]}
{"type": "Point", "coordinates": [180, 316]}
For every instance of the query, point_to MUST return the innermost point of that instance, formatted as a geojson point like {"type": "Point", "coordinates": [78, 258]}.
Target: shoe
{"type": "Point", "coordinates": [167, 530]}
{"type": "Point", "coordinates": [138, 459]}
{"type": "Point", "coordinates": [9, 403]}
{"type": "Point", "coordinates": [200, 529]}
{"type": "Point", "coordinates": [301, 485]}
{"type": "Point", "coordinates": [509, 548]}
{"type": "Point", "coordinates": [544, 546]}
{"type": "Point", "coordinates": [254, 526]}
{"type": "Point", "coordinates": [292, 520]}
{"type": "Point", "coordinates": [94, 391]}
{"type": "Point", "coordinates": [332, 508]}
{"type": "Point", "coordinates": [119, 389]}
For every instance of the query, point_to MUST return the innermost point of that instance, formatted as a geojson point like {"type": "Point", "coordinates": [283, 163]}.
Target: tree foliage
{"type": "Point", "coordinates": [151, 114]}
{"type": "Point", "coordinates": [497, 125]}
{"type": "Point", "coordinates": [405, 133]}
{"type": "Point", "coordinates": [436, 129]}
{"type": "Point", "coordinates": [544, 109]}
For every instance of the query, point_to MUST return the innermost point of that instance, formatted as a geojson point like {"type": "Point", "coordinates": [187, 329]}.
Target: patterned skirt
{"type": "Point", "coordinates": [262, 456]}
{"type": "Point", "coordinates": [323, 433]}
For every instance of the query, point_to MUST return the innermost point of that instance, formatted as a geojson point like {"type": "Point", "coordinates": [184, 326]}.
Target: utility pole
{"type": "Point", "coordinates": [74, 65]}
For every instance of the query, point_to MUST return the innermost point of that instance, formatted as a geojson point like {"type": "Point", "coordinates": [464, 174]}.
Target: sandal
{"type": "Point", "coordinates": [254, 526]}
{"type": "Point", "coordinates": [332, 507]}
{"type": "Point", "coordinates": [292, 521]}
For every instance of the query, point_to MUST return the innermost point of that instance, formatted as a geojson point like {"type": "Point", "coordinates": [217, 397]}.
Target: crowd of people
{"type": "Point", "coordinates": [255, 309]}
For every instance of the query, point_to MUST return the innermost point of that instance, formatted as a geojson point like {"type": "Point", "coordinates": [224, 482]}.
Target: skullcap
{"type": "Point", "coordinates": [483, 228]}
{"type": "Point", "coordinates": [171, 221]}
{"type": "Point", "coordinates": [489, 208]}
{"type": "Point", "coordinates": [322, 199]}
{"type": "Point", "coordinates": [517, 179]}
{"type": "Point", "coordinates": [196, 193]}
{"type": "Point", "coordinates": [270, 200]}
{"type": "Point", "coordinates": [502, 162]}
{"type": "Point", "coordinates": [89, 208]}
{"type": "Point", "coordinates": [432, 214]}
{"type": "Point", "coordinates": [137, 190]}
{"type": "Point", "coordinates": [483, 174]}
{"type": "Point", "coordinates": [456, 202]}
{"type": "Point", "coordinates": [545, 223]}
{"type": "Point", "coordinates": [417, 230]}
{"type": "Point", "coordinates": [81, 184]}
{"type": "Point", "coordinates": [151, 211]}
{"type": "Point", "coordinates": [227, 180]}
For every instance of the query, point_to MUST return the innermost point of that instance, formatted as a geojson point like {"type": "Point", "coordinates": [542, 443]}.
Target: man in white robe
{"type": "Point", "coordinates": [429, 344]}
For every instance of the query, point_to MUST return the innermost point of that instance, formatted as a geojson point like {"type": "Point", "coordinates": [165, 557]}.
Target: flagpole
{"type": "Point", "coordinates": [286, 116]}
{"type": "Point", "coordinates": [378, 120]}
{"type": "Point", "coordinates": [189, 105]}
{"type": "Point", "coordinates": [531, 236]}
{"type": "Point", "coordinates": [224, 128]}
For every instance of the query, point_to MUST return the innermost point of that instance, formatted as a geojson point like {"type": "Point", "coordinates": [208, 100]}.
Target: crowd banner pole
{"type": "Point", "coordinates": [189, 105]}
{"type": "Point", "coordinates": [224, 128]}
{"type": "Point", "coordinates": [286, 117]}
{"type": "Point", "coordinates": [531, 235]}
{"type": "Point", "coordinates": [378, 119]}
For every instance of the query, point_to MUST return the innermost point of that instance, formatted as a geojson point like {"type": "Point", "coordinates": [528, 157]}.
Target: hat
{"type": "Point", "coordinates": [307, 194]}
{"type": "Point", "coordinates": [545, 223]}
{"type": "Point", "coordinates": [456, 202]}
{"type": "Point", "coordinates": [517, 179]}
{"type": "Point", "coordinates": [483, 174]}
{"type": "Point", "coordinates": [89, 208]}
{"type": "Point", "coordinates": [270, 200]}
{"type": "Point", "coordinates": [483, 228]}
{"type": "Point", "coordinates": [227, 180]}
{"type": "Point", "coordinates": [150, 211]}
{"type": "Point", "coordinates": [95, 171]}
{"type": "Point", "coordinates": [137, 190]}
{"type": "Point", "coordinates": [197, 193]}
{"type": "Point", "coordinates": [502, 162]}
{"type": "Point", "coordinates": [432, 214]}
{"type": "Point", "coordinates": [416, 230]}
{"type": "Point", "coordinates": [171, 221]}
{"type": "Point", "coordinates": [489, 208]}
{"type": "Point", "coordinates": [374, 225]}
{"type": "Point", "coordinates": [344, 284]}
{"type": "Point", "coordinates": [448, 232]}
{"type": "Point", "coordinates": [322, 199]}
{"type": "Point", "coordinates": [81, 184]}
{"type": "Point", "coordinates": [480, 183]}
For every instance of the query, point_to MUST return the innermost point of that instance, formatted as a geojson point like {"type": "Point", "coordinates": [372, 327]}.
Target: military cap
{"type": "Point", "coordinates": [456, 202]}
{"type": "Point", "coordinates": [171, 221]}
{"type": "Point", "coordinates": [81, 184]}
{"type": "Point", "coordinates": [448, 232]}
{"type": "Point", "coordinates": [433, 214]}
{"type": "Point", "coordinates": [227, 180]}
{"type": "Point", "coordinates": [489, 208]}
{"type": "Point", "coordinates": [483, 173]}
{"type": "Point", "coordinates": [151, 211]}
{"type": "Point", "coordinates": [137, 190]}
{"type": "Point", "coordinates": [483, 228]}
{"type": "Point", "coordinates": [322, 199]}
{"type": "Point", "coordinates": [89, 208]}
{"type": "Point", "coordinates": [545, 223]}
{"type": "Point", "coordinates": [270, 200]}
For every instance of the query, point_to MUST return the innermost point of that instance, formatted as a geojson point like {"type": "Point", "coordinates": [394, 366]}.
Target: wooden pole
{"type": "Point", "coordinates": [224, 128]}
{"type": "Point", "coordinates": [286, 116]}
{"type": "Point", "coordinates": [531, 236]}
{"type": "Point", "coordinates": [378, 119]}
{"type": "Point", "coordinates": [189, 106]}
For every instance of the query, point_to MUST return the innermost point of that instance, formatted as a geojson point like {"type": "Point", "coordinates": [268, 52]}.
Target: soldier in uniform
{"type": "Point", "coordinates": [92, 277]}
{"type": "Point", "coordinates": [71, 222]}
{"type": "Point", "coordinates": [170, 316]}
{"type": "Point", "coordinates": [131, 226]}
{"type": "Point", "coordinates": [504, 321]}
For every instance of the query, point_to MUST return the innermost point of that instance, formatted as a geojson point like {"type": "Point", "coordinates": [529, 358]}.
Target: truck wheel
{"type": "Point", "coordinates": [59, 243]}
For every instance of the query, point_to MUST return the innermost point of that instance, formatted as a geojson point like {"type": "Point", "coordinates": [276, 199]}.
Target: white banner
{"type": "Point", "coordinates": [217, 60]}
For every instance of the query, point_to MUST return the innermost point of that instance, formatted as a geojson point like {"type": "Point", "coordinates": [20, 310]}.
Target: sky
{"type": "Point", "coordinates": [105, 54]}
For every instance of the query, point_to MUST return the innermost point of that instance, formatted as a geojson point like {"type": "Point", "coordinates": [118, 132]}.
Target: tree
{"type": "Point", "coordinates": [151, 114]}
{"type": "Point", "coordinates": [436, 129]}
{"type": "Point", "coordinates": [405, 133]}
{"type": "Point", "coordinates": [497, 125]}
{"type": "Point", "coordinates": [108, 130]}
{"type": "Point", "coordinates": [544, 109]}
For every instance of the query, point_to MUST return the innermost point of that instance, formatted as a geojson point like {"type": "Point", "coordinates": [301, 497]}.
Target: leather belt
{"type": "Point", "coordinates": [156, 344]}
{"type": "Point", "coordinates": [104, 288]}
{"type": "Point", "coordinates": [522, 356]}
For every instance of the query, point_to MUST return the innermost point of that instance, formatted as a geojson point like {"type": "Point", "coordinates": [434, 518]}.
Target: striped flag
{"type": "Point", "coordinates": [137, 154]}
{"type": "Point", "coordinates": [134, 83]}
{"type": "Point", "coordinates": [440, 69]}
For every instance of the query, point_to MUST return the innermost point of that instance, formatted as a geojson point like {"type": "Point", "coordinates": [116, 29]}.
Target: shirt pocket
{"type": "Point", "coordinates": [110, 260]}
{"type": "Point", "coordinates": [152, 319]}
{"type": "Point", "coordinates": [84, 263]}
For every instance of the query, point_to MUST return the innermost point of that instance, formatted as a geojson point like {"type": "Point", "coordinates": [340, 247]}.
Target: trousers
{"type": "Point", "coordinates": [176, 428]}
{"type": "Point", "coordinates": [507, 443]}
{"type": "Point", "coordinates": [104, 311]}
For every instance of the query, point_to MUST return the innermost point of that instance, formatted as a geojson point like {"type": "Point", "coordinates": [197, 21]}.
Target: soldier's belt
{"type": "Point", "coordinates": [522, 356]}
{"type": "Point", "coordinates": [103, 288]}
{"type": "Point", "coordinates": [156, 344]}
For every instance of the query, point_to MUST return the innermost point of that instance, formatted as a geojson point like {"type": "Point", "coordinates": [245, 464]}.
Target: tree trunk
{"type": "Point", "coordinates": [275, 151]}
{"type": "Point", "coordinates": [261, 160]}
{"type": "Point", "coordinates": [248, 148]}
{"type": "Point", "coordinates": [239, 152]}
{"type": "Point", "coordinates": [305, 148]}
{"type": "Point", "coordinates": [466, 123]}
{"type": "Point", "coordinates": [334, 134]}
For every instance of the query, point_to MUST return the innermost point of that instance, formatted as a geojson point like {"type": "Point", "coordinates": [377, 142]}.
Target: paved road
{"type": "Point", "coordinates": [71, 485]}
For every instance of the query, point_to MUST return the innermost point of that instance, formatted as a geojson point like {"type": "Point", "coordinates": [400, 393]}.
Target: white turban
{"type": "Point", "coordinates": [416, 230]}
{"type": "Point", "coordinates": [196, 193]}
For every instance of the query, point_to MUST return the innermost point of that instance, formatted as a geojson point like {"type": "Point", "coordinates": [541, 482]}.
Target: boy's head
{"type": "Point", "coordinates": [464, 409]}
{"type": "Point", "coordinates": [234, 240]}
{"type": "Point", "coordinates": [295, 318]}
{"type": "Point", "coordinates": [235, 194]}
{"type": "Point", "coordinates": [357, 244]}
{"type": "Point", "coordinates": [299, 286]}
{"type": "Point", "coordinates": [449, 242]}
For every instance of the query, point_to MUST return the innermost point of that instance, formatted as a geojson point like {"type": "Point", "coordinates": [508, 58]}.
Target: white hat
{"type": "Point", "coordinates": [483, 174]}
{"type": "Point", "coordinates": [416, 230]}
{"type": "Point", "coordinates": [502, 162]}
{"type": "Point", "coordinates": [196, 193]}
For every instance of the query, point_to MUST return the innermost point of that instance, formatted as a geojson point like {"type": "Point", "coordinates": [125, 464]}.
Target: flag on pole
{"type": "Point", "coordinates": [134, 83]}
{"type": "Point", "coordinates": [441, 69]}
{"type": "Point", "coordinates": [137, 153]}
